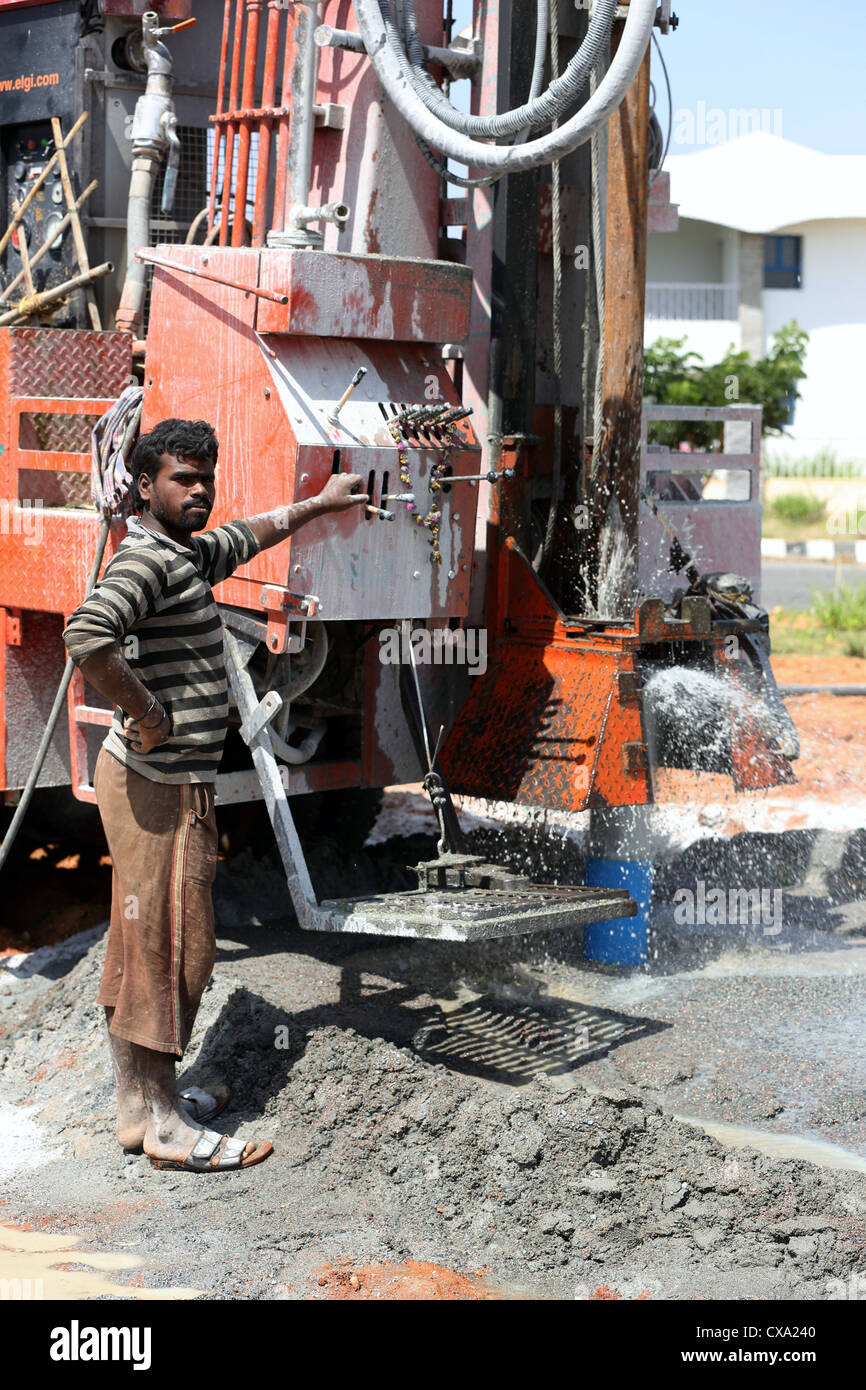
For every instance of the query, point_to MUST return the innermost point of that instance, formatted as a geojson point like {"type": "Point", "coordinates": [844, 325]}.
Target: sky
{"type": "Point", "coordinates": [797, 63]}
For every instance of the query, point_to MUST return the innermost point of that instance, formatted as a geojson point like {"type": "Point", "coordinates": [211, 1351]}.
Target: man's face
{"type": "Point", "coordinates": [181, 495]}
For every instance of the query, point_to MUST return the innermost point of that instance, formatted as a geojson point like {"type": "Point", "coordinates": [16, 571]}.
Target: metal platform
{"type": "Point", "coordinates": [460, 897]}
{"type": "Point", "coordinates": [470, 914]}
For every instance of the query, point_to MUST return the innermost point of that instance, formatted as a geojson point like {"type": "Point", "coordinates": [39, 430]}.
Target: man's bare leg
{"type": "Point", "coordinates": [131, 1109]}
{"type": "Point", "coordinates": [169, 1131]}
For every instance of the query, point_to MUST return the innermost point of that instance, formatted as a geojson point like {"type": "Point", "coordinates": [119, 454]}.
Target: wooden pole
{"type": "Point", "coordinates": [77, 233]}
{"type": "Point", "coordinates": [31, 304]}
{"type": "Point", "coordinates": [22, 251]}
{"type": "Point", "coordinates": [617, 479]}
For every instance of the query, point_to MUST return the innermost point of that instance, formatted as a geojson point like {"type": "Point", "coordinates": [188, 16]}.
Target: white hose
{"type": "Point", "coordinates": [538, 110]}
{"type": "Point", "coordinates": [506, 159]}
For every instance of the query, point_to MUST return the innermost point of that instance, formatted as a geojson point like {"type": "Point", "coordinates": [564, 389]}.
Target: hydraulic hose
{"type": "Point", "coordinates": [538, 110]}
{"type": "Point", "coordinates": [59, 702]}
{"type": "Point", "coordinates": [374, 23]}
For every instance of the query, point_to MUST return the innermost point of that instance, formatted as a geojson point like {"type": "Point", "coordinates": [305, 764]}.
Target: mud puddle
{"type": "Point", "coordinates": [38, 1265]}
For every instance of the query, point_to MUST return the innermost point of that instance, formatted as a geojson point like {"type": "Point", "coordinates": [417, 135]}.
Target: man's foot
{"type": "Point", "coordinates": [199, 1104]}
{"type": "Point", "coordinates": [213, 1153]}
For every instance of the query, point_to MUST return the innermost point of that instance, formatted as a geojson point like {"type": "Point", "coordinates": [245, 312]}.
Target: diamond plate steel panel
{"type": "Point", "coordinates": [56, 434]}
{"type": "Point", "coordinates": [68, 362]}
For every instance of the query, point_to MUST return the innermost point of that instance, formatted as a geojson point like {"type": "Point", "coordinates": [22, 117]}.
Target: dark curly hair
{"type": "Point", "coordinates": [185, 439]}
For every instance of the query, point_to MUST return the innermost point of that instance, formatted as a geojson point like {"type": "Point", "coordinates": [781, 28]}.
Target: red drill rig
{"type": "Point", "coordinates": [265, 208]}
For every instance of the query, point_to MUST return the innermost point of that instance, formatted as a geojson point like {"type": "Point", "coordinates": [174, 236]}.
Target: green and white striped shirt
{"type": "Point", "coordinates": [155, 599]}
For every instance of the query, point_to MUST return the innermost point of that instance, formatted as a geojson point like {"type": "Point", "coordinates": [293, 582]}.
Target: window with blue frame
{"type": "Point", "coordinates": [783, 262]}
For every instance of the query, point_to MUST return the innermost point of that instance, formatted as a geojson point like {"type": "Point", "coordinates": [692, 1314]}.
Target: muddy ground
{"type": "Point", "coordinates": [496, 1121]}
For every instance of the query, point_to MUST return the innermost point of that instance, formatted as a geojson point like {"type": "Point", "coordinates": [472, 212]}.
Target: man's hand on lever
{"type": "Point", "coordinates": [341, 491]}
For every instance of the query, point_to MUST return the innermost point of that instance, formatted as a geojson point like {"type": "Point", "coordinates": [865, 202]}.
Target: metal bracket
{"type": "Point", "coordinates": [13, 627]}
{"type": "Point", "coordinates": [628, 687]}
{"type": "Point", "coordinates": [282, 608]}
{"type": "Point", "coordinates": [635, 758]}
{"type": "Point", "coordinates": [264, 712]}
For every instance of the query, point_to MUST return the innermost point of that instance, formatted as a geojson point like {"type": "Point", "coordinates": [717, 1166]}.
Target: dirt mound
{"type": "Point", "coordinates": [384, 1157]}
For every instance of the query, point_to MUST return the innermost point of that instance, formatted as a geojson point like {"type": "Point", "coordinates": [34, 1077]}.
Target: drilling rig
{"type": "Point", "coordinates": [279, 217]}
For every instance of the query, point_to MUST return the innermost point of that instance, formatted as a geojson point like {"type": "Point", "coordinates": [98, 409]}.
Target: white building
{"type": "Point", "coordinates": [771, 231]}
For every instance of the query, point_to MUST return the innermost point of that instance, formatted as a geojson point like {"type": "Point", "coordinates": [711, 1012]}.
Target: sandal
{"type": "Point", "coordinates": [203, 1105]}
{"type": "Point", "coordinates": [217, 1153]}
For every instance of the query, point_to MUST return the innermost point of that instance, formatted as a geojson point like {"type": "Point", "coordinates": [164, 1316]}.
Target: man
{"type": "Point", "coordinates": [149, 638]}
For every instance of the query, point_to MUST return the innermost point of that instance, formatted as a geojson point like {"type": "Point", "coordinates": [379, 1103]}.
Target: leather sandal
{"type": "Point", "coordinates": [217, 1153]}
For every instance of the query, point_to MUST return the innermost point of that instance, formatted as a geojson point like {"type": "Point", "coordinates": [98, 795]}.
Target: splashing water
{"type": "Point", "coordinates": [617, 591]}
{"type": "Point", "coordinates": [690, 714]}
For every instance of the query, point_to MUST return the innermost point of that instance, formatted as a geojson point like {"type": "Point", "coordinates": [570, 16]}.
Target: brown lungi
{"type": "Point", "coordinates": [162, 838]}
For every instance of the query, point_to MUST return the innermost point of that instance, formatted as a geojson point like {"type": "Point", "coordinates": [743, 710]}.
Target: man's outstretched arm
{"type": "Point", "coordinates": [340, 492]}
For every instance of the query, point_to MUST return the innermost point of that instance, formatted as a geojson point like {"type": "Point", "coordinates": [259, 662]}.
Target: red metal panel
{"type": "Point", "coordinates": [346, 296]}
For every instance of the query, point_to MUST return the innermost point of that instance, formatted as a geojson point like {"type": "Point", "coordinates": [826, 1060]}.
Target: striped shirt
{"type": "Point", "coordinates": [155, 600]}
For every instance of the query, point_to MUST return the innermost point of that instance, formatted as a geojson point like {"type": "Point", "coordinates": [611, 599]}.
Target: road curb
{"type": "Point", "coordinates": [814, 550]}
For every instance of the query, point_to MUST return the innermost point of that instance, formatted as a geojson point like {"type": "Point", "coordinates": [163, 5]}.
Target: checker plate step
{"type": "Point", "coordinates": [470, 914]}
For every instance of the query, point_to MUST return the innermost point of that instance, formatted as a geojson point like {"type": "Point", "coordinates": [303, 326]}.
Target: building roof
{"type": "Point", "coordinates": [760, 183]}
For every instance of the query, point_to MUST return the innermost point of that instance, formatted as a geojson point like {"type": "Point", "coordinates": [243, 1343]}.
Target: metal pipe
{"type": "Point", "coordinates": [150, 259]}
{"type": "Point", "coordinates": [337, 213]}
{"type": "Point", "coordinates": [303, 119]}
{"type": "Point", "coordinates": [254, 15]}
{"type": "Point", "coordinates": [269, 91]}
{"type": "Point", "coordinates": [219, 133]}
{"type": "Point", "coordinates": [491, 476]}
{"type": "Point", "coordinates": [283, 135]}
{"type": "Point", "coordinates": [457, 63]}
{"type": "Point", "coordinates": [232, 125]}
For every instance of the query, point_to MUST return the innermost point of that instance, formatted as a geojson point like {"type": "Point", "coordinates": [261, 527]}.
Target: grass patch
{"type": "Point", "coordinates": [799, 507]}
{"type": "Point", "coordinates": [835, 625]}
{"type": "Point", "coordinates": [844, 610]}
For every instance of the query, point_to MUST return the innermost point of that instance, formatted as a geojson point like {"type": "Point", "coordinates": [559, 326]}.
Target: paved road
{"type": "Point", "coordinates": [788, 584]}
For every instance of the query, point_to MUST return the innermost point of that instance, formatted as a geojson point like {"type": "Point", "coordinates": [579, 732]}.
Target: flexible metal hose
{"type": "Point", "coordinates": [374, 23]}
{"type": "Point", "coordinates": [540, 109]}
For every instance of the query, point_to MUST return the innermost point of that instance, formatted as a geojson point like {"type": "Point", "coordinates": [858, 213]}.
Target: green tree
{"type": "Point", "coordinates": [677, 376]}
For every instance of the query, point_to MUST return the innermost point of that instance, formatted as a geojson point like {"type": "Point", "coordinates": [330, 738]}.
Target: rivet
{"type": "Point", "coordinates": [267, 393]}
{"type": "Point", "coordinates": [305, 477]}
{"type": "Point", "coordinates": [297, 569]}
{"type": "Point", "coordinates": [416, 574]}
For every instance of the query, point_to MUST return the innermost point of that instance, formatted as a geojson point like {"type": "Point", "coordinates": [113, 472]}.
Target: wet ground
{"type": "Point", "coordinates": [488, 1123]}
{"type": "Point", "coordinates": [505, 1121]}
